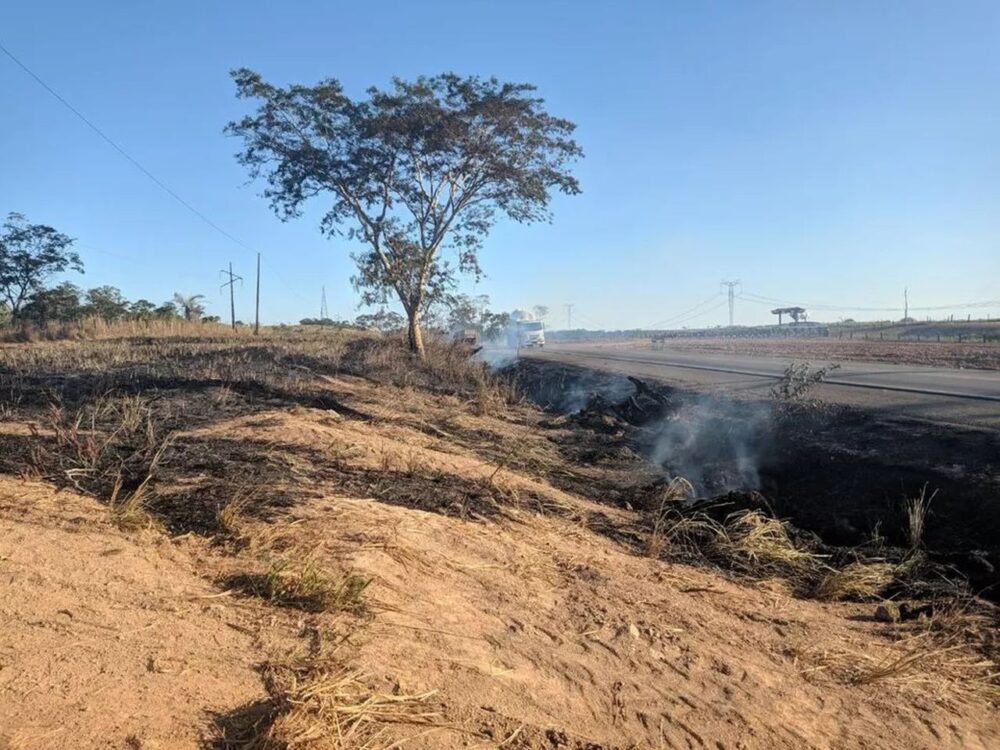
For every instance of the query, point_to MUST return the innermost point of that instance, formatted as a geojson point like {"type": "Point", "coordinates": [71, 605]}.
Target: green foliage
{"type": "Point", "coordinates": [423, 167]}
{"type": "Point", "coordinates": [29, 255]}
{"type": "Point", "coordinates": [167, 311]}
{"type": "Point", "coordinates": [61, 303]}
{"type": "Point", "coordinates": [142, 309]}
{"type": "Point", "coordinates": [495, 325]}
{"type": "Point", "coordinates": [107, 303]}
{"type": "Point", "coordinates": [189, 305]}
{"type": "Point", "coordinates": [384, 320]}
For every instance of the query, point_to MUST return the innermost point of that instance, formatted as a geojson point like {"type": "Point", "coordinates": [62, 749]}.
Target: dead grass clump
{"type": "Point", "coordinates": [667, 525]}
{"type": "Point", "coordinates": [748, 541]}
{"type": "Point", "coordinates": [954, 643]}
{"type": "Point", "coordinates": [304, 584]}
{"type": "Point", "coordinates": [760, 545]}
{"type": "Point", "coordinates": [128, 510]}
{"type": "Point", "coordinates": [916, 517]}
{"type": "Point", "coordinates": [447, 367]}
{"type": "Point", "coordinates": [859, 581]}
{"type": "Point", "coordinates": [324, 707]}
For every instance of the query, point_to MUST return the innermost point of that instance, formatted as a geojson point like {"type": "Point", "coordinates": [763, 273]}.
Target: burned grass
{"type": "Point", "coordinates": [292, 468]}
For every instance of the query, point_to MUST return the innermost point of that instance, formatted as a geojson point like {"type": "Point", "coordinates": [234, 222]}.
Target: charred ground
{"type": "Point", "coordinates": [840, 472]}
{"type": "Point", "coordinates": [406, 551]}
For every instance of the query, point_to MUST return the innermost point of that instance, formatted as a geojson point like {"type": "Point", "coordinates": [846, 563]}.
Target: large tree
{"type": "Point", "coordinates": [60, 303]}
{"type": "Point", "coordinates": [29, 255]}
{"type": "Point", "coordinates": [423, 167]}
{"type": "Point", "coordinates": [107, 303]}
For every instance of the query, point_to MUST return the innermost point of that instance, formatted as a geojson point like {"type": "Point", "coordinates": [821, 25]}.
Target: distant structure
{"type": "Point", "coordinates": [797, 314]}
{"type": "Point", "coordinates": [732, 286]}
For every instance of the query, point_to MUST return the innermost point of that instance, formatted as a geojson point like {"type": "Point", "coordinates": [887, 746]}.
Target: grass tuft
{"type": "Point", "coordinates": [859, 581]}
{"type": "Point", "coordinates": [760, 545]}
{"type": "Point", "coordinates": [315, 706]}
{"type": "Point", "coordinates": [304, 585]}
{"type": "Point", "coordinates": [916, 517]}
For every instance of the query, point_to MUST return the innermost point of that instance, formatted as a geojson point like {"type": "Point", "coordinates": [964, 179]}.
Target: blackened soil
{"type": "Point", "coordinates": [843, 473]}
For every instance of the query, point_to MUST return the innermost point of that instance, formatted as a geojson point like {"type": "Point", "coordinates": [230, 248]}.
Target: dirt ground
{"type": "Point", "coordinates": [927, 353]}
{"type": "Point", "coordinates": [510, 602]}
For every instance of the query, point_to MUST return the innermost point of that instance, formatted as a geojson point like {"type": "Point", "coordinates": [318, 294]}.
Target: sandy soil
{"type": "Point", "coordinates": [107, 641]}
{"type": "Point", "coordinates": [516, 608]}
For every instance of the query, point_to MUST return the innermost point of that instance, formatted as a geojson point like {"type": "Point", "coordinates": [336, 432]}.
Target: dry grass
{"type": "Point", "coordinates": [916, 517]}
{"type": "Point", "coordinates": [317, 706]}
{"type": "Point", "coordinates": [296, 580]}
{"type": "Point", "coordinates": [863, 581]}
{"type": "Point", "coordinates": [760, 545]}
{"type": "Point", "coordinates": [955, 646]}
{"type": "Point", "coordinates": [667, 528]}
{"type": "Point", "coordinates": [96, 328]}
{"type": "Point", "coordinates": [747, 541]}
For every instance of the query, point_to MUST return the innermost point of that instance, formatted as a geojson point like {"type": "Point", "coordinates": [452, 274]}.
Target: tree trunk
{"type": "Point", "coordinates": [414, 334]}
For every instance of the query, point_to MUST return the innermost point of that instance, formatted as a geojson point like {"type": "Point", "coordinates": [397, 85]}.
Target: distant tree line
{"type": "Point", "coordinates": [31, 254]}
{"type": "Point", "coordinates": [453, 313]}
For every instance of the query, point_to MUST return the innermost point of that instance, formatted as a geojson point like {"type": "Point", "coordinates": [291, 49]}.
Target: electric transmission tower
{"type": "Point", "coordinates": [732, 287]}
{"type": "Point", "coordinates": [569, 316]}
{"type": "Point", "coordinates": [233, 278]}
{"type": "Point", "coordinates": [324, 312]}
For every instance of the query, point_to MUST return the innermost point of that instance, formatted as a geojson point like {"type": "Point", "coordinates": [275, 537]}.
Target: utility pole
{"type": "Point", "coordinates": [324, 313]}
{"type": "Point", "coordinates": [256, 315]}
{"type": "Point", "coordinates": [569, 316]}
{"type": "Point", "coordinates": [233, 278]}
{"type": "Point", "coordinates": [906, 302]}
{"type": "Point", "coordinates": [732, 285]}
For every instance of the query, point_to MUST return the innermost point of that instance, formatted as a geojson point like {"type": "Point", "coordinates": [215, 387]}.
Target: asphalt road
{"type": "Point", "coordinates": [937, 393]}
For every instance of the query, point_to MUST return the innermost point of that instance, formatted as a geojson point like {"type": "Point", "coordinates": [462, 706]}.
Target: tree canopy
{"type": "Point", "coordinates": [425, 166]}
{"type": "Point", "coordinates": [29, 255]}
{"type": "Point", "coordinates": [189, 305]}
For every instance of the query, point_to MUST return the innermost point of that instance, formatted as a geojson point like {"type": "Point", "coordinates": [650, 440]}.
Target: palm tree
{"type": "Point", "coordinates": [190, 305]}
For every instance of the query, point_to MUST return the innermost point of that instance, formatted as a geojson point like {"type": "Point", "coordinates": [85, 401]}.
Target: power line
{"type": "Point", "coordinates": [701, 313]}
{"type": "Point", "coordinates": [672, 318]}
{"type": "Point", "coordinates": [122, 151]}
{"type": "Point", "coordinates": [138, 165]}
{"type": "Point", "coordinates": [591, 321]}
{"type": "Point", "coordinates": [761, 299]}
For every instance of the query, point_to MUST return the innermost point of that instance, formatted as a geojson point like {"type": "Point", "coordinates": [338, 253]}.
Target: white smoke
{"type": "Point", "coordinates": [715, 444]}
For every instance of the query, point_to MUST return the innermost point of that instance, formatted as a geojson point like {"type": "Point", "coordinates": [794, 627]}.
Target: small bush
{"type": "Point", "coordinates": [798, 379]}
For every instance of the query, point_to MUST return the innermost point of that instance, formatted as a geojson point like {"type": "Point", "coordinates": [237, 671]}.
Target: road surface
{"type": "Point", "coordinates": [938, 393]}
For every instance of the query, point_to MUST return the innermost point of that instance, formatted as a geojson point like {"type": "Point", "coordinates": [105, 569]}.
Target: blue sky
{"type": "Point", "coordinates": [822, 152]}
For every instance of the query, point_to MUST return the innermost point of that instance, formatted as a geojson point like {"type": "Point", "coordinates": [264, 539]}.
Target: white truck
{"type": "Point", "coordinates": [525, 331]}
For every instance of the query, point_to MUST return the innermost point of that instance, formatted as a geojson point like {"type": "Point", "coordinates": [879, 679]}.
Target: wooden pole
{"type": "Point", "coordinates": [256, 318]}
{"type": "Point", "coordinates": [232, 298]}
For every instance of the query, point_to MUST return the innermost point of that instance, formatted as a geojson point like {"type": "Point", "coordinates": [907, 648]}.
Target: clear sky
{"type": "Point", "coordinates": [822, 152]}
